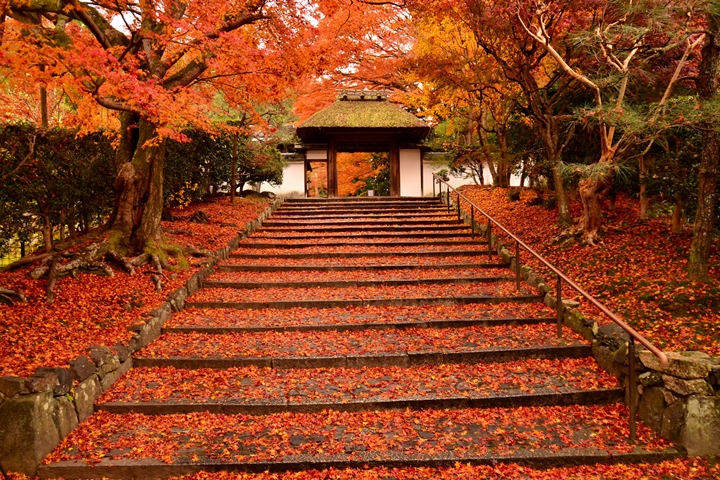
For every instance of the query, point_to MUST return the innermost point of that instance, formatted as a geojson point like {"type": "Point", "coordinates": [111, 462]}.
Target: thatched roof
{"type": "Point", "coordinates": [363, 109]}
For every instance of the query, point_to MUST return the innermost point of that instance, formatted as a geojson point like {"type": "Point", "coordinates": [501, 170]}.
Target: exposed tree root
{"type": "Point", "coordinates": [199, 217]}
{"type": "Point", "coordinates": [93, 260]}
{"type": "Point", "coordinates": [11, 297]}
{"type": "Point", "coordinates": [24, 261]}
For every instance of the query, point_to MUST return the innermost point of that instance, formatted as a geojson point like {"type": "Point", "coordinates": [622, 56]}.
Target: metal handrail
{"type": "Point", "coordinates": [632, 333]}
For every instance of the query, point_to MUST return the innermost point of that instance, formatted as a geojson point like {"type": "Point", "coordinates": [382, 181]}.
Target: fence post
{"type": "Point", "coordinates": [517, 265]}
{"type": "Point", "coordinates": [472, 220]}
{"type": "Point", "coordinates": [632, 387]}
{"type": "Point", "coordinates": [489, 238]}
{"type": "Point", "coordinates": [458, 207]}
{"type": "Point", "coordinates": [559, 307]}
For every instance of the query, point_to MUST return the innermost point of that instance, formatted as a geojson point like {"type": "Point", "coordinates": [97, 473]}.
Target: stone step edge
{"type": "Point", "coordinates": [151, 468]}
{"type": "Point", "coordinates": [355, 283]}
{"type": "Point", "coordinates": [376, 302]}
{"type": "Point", "coordinates": [286, 215]}
{"type": "Point", "coordinates": [446, 243]}
{"type": "Point", "coordinates": [428, 234]}
{"type": "Point", "coordinates": [350, 268]}
{"type": "Point", "coordinates": [492, 355]}
{"type": "Point", "coordinates": [423, 254]}
{"type": "Point", "coordinates": [346, 327]}
{"type": "Point", "coordinates": [350, 228]}
{"type": "Point", "coordinates": [509, 399]}
{"type": "Point", "coordinates": [338, 223]}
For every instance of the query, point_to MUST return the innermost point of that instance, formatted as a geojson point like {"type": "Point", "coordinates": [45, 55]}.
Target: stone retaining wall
{"type": "Point", "coordinates": [38, 411]}
{"type": "Point", "coordinates": [680, 401]}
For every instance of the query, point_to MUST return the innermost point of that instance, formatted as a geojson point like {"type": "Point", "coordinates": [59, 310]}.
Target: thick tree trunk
{"type": "Point", "coordinates": [707, 188]}
{"type": "Point", "coordinates": [592, 192]}
{"type": "Point", "coordinates": [140, 192]}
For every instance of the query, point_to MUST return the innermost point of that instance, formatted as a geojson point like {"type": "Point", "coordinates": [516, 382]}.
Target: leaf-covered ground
{"type": "Point", "coordinates": [339, 385]}
{"type": "Point", "coordinates": [331, 343]}
{"type": "Point", "coordinates": [639, 269]}
{"type": "Point", "coordinates": [353, 315]}
{"type": "Point", "coordinates": [93, 310]}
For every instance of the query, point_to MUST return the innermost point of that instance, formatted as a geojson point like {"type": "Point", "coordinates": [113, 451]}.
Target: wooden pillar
{"type": "Point", "coordinates": [306, 176]}
{"type": "Point", "coordinates": [332, 173]}
{"type": "Point", "coordinates": [394, 169]}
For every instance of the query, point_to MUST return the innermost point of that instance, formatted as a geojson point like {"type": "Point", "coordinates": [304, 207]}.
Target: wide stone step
{"type": "Point", "coordinates": [345, 252]}
{"type": "Point", "coordinates": [135, 445]}
{"type": "Point", "coordinates": [354, 349]}
{"type": "Point", "coordinates": [353, 318]}
{"type": "Point", "coordinates": [256, 390]}
{"type": "Point", "coordinates": [403, 294]}
{"type": "Point", "coordinates": [363, 275]}
{"type": "Point", "coordinates": [255, 243]}
{"type": "Point", "coordinates": [440, 228]}
{"type": "Point", "coordinates": [356, 236]}
{"type": "Point", "coordinates": [478, 259]}
{"type": "Point", "coordinates": [346, 222]}
{"type": "Point", "coordinates": [353, 283]}
{"type": "Point", "coordinates": [362, 201]}
{"type": "Point", "coordinates": [435, 213]}
{"type": "Point", "coordinates": [363, 211]}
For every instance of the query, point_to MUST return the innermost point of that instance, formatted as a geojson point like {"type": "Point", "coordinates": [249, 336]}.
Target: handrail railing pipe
{"type": "Point", "coordinates": [561, 277]}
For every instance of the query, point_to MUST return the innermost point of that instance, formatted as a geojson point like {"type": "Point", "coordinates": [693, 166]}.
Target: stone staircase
{"type": "Point", "coordinates": [350, 333]}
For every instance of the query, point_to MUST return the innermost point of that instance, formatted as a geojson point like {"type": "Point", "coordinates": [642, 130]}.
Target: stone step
{"type": "Point", "coordinates": [346, 327]}
{"type": "Point", "coordinates": [354, 283]}
{"type": "Point", "coordinates": [117, 446]}
{"type": "Point", "coordinates": [371, 236]}
{"type": "Point", "coordinates": [362, 275]}
{"type": "Point", "coordinates": [252, 242]}
{"type": "Point", "coordinates": [288, 215]}
{"type": "Point", "coordinates": [279, 254]}
{"type": "Point", "coordinates": [362, 211]}
{"type": "Point", "coordinates": [362, 201]}
{"type": "Point", "coordinates": [358, 348]}
{"type": "Point", "coordinates": [478, 263]}
{"type": "Point", "coordinates": [342, 319]}
{"type": "Point", "coordinates": [345, 222]}
{"type": "Point", "coordinates": [256, 390]}
{"type": "Point", "coordinates": [475, 258]}
{"type": "Point", "coordinates": [377, 302]}
{"type": "Point", "coordinates": [380, 228]}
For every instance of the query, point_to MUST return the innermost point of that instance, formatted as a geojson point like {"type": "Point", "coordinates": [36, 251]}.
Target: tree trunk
{"type": "Point", "coordinates": [707, 189]}
{"type": "Point", "coordinates": [592, 192]}
{"type": "Point", "coordinates": [677, 223]}
{"type": "Point", "coordinates": [644, 200]}
{"type": "Point", "coordinates": [140, 192]}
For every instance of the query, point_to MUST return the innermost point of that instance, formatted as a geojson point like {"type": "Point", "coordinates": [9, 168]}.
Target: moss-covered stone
{"type": "Point", "coordinates": [27, 432]}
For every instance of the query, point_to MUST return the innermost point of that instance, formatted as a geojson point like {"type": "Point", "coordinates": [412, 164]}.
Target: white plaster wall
{"type": "Point", "coordinates": [430, 167]}
{"type": "Point", "coordinates": [293, 180]}
{"type": "Point", "coordinates": [410, 171]}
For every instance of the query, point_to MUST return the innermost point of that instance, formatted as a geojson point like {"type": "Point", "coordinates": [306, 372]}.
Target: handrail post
{"type": "Point", "coordinates": [489, 238]}
{"type": "Point", "coordinates": [458, 208]}
{"type": "Point", "coordinates": [517, 265]}
{"type": "Point", "coordinates": [433, 182]}
{"type": "Point", "coordinates": [559, 307]}
{"type": "Point", "coordinates": [472, 220]}
{"type": "Point", "coordinates": [448, 199]}
{"type": "Point", "coordinates": [632, 388]}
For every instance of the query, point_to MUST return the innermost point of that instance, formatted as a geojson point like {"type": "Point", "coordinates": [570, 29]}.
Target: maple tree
{"type": "Point", "coordinates": [463, 88]}
{"type": "Point", "coordinates": [546, 91]}
{"type": "Point", "coordinates": [163, 66]}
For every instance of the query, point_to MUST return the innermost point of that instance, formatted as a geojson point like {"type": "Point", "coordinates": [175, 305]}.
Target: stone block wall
{"type": "Point", "coordinates": [38, 411]}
